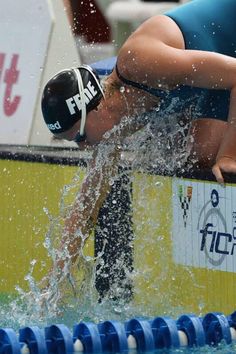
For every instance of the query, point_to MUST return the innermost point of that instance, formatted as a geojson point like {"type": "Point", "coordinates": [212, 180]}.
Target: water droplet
{"type": "Point", "coordinates": [111, 182]}
{"type": "Point", "coordinates": [158, 184]}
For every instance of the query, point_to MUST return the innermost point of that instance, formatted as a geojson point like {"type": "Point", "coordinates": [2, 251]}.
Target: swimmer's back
{"type": "Point", "coordinates": [208, 25]}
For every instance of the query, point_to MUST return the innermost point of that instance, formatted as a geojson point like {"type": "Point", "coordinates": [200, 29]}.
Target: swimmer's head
{"type": "Point", "coordinates": [68, 97]}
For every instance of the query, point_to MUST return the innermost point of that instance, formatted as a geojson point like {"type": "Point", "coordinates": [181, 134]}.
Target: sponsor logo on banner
{"type": "Point", "coordinates": [185, 195]}
{"type": "Point", "coordinates": [23, 49]}
{"type": "Point", "coordinates": [9, 77]}
{"type": "Point", "coordinates": [204, 225]}
{"type": "Point", "coordinates": [215, 239]}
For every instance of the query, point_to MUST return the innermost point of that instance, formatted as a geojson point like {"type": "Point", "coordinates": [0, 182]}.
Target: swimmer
{"type": "Point", "coordinates": [189, 53]}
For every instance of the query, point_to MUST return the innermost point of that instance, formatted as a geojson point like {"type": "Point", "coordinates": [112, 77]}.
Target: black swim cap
{"type": "Point", "coordinates": [69, 96]}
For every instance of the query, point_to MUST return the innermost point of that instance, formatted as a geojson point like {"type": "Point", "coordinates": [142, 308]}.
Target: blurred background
{"type": "Point", "coordinates": [101, 26]}
{"type": "Point", "coordinates": [44, 37]}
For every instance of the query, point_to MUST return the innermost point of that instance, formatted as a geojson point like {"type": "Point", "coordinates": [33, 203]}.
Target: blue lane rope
{"type": "Point", "coordinates": [117, 337]}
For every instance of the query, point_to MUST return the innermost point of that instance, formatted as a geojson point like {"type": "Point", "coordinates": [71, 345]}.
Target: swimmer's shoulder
{"type": "Point", "coordinates": [160, 28]}
{"type": "Point", "coordinates": [153, 36]}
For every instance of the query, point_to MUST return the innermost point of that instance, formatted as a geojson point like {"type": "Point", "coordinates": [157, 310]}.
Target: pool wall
{"type": "Point", "coordinates": [175, 250]}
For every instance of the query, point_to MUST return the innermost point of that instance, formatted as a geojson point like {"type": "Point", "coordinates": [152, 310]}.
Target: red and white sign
{"type": "Point", "coordinates": [25, 28]}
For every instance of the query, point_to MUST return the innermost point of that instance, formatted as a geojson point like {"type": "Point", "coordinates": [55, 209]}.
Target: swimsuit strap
{"type": "Point", "coordinates": [153, 91]}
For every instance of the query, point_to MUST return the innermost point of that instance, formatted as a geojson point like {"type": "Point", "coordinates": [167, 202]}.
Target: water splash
{"type": "Point", "coordinates": [72, 295]}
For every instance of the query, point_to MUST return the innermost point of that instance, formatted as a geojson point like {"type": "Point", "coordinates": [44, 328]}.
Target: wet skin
{"type": "Point", "coordinates": [155, 55]}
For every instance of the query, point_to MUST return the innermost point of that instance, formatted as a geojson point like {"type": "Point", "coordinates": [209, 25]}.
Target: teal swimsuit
{"type": "Point", "coordinates": [208, 25]}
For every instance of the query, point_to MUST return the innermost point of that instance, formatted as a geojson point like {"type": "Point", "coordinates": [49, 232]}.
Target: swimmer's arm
{"type": "Point", "coordinates": [84, 212]}
{"type": "Point", "coordinates": [213, 71]}
{"type": "Point", "coordinates": [155, 63]}
{"type": "Point", "coordinates": [226, 157]}
{"type": "Point", "coordinates": [160, 64]}
{"type": "Point", "coordinates": [81, 220]}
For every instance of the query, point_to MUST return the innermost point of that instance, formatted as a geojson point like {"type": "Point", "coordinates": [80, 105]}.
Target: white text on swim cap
{"type": "Point", "coordinates": [54, 126]}
{"type": "Point", "coordinates": [75, 101]}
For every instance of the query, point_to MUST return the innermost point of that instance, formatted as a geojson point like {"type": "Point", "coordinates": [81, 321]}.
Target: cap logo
{"type": "Point", "coordinates": [75, 101]}
{"type": "Point", "coordinates": [54, 126]}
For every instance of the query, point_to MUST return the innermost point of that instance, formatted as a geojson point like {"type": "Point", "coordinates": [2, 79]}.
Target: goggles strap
{"type": "Point", "coordinates": [88, 68]}
{"type": "Point", "coordinates": [82, 99]}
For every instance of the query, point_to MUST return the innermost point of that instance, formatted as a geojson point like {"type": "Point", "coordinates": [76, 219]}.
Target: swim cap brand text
{"type": "Point", "coordinates": [54, 126]}
{"type": "Point", "coordinates": [75, 101]}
